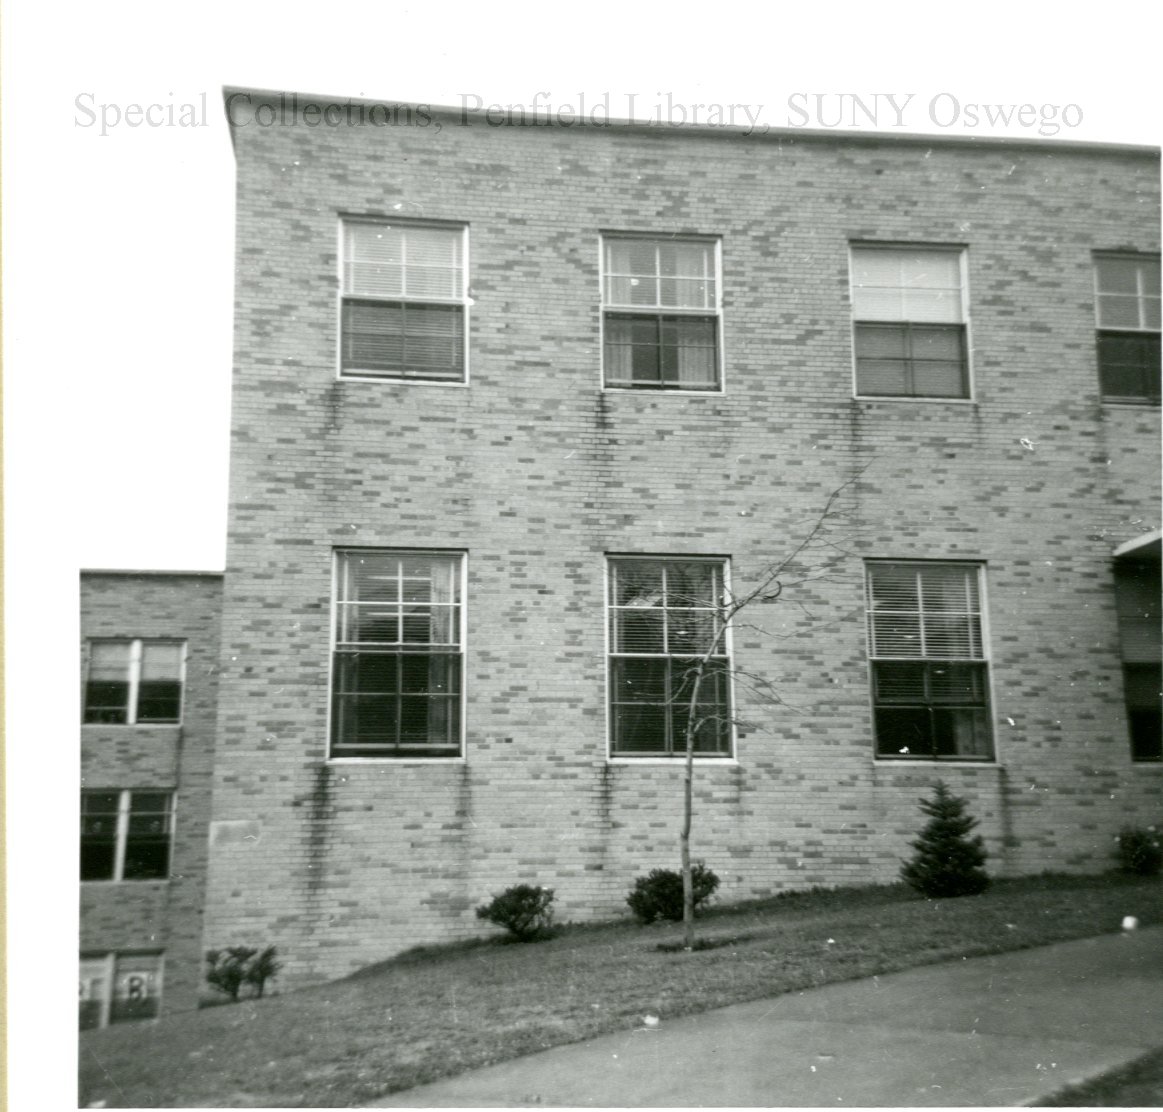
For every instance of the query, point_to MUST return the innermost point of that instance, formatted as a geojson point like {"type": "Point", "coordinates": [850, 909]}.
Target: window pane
{"type": "Point", "coordinates": [906, 284]}
{"type": "Point", "coordinates": [107, 689]}
{"type": "Point", "coordinates": [896, 634]}
{"type": "Point", "coordinates": [639, 728]}
{"type": "Point", "coordinates": [94, 974]}
{"type": "Point", "coordinates": [902, 682]}
{"type": "Point", "coordinates": [638, 631]}
{"type": "Point", "coordinates": [97, 856]}
{"type": "Point", "coordinates": [405, 339]}
{"type": "Point", "coordinates": [1117, 311]}
{"type": "Point", "coordinates": [961, 732]}
{"type": "Point", "coordinates": [639, 680]}
{"type": "Point", "coordinates": [903, 732]}
{"type": "Point", "coordinates": [957, 683]}
{"type": "Point", "coordinates": [1129, 365]}
{"type": "Point", "coordinates": [136, 988]}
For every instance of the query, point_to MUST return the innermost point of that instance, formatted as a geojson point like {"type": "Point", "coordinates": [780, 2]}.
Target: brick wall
{"type": "Point", "coordinates": [155, 914]}
{"type": "Point", "coordinates": [537, 474]}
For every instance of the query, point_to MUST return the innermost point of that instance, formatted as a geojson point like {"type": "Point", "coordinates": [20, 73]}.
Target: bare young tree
{"type": "Point", "coordinates": [766, 587]}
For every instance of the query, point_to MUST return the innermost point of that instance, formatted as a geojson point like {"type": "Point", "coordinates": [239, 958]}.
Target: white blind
{"type": "Point", "coordinates": [924, 611]}
{"type": "Point", "coordinates": [403, 262]}
{"type": "Point", "coordinates": [1128, 293]}
{"type": "Point", "coordinates": [906, 284]}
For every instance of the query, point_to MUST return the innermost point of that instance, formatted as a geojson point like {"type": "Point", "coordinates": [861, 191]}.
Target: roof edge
{"type": "Point", "coordinates": [293, 100]}
{"type": "Point", "coordinates": [1137, 545]}
{"type": "Point", "coordinates": [153, 572]}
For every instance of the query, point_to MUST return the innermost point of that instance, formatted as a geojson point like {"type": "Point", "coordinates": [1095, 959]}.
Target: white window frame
{"type": "Point", "coordinates": [461, 555]}
{"type": "Point", "coordinates": [465, 301]}
{"type": "Point", "coordinates": [121, 834]}
{"type": "Point", "coordinates": [986, 659]}
{"type": "Point", "coordinates": [133, 664]}
{"type": "Point", "coordinates": [962, 253]}
{"type": "Point", "coordinates": [715, 313]}
{"type": "Point", "coordinates": [1143, 329]}
{"type": "Point", "coordinates": [678, 754]}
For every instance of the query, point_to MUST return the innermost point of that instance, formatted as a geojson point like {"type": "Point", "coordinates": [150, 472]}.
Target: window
{"type": "Point", "coordinates": [664, 614]}
{"type": "Point", "coordinates": [125, 835]}
{"type": "Point", "coordinates": [404, 301]}
{"type": "Point", "coordinates": [398, 658]}
{"type": "Point", "coordinates": [1137, 596]}
{"type": "Point", "coordinates": [908, 308]}
{"type": "Point", "coordinates": [1127, 309]}
{"type": "Point", "coordinates": [118, 988]}
{"type": "Point", "coordinates": [930, 685]}
{"type": "Point", "coordinates": [134, 682]}
{"type": "Point", "coordinates": [660, 313]}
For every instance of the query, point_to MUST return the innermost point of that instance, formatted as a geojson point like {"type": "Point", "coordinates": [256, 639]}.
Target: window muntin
{"type": "Point", "coordinates": [908, 309]}
{"type": "Point", "coordinates": [404, 301]}
{"type": "Point", "coordinates": [930, 679]}
{"type": "Point", "coordinates": [398, 655]}
{"type": "Point", "coordinates": [119, 988]}
{"type": "Point", "coordinates": [134, 682]}
{"type": "Point", "coordinates": [663, 614]}
{"type": "Point", "coordinates": [126, 835]}
{"type": "Point", "coordinates": [1127, 301]}
{"type": "Point", "coordinates": [660, 309]}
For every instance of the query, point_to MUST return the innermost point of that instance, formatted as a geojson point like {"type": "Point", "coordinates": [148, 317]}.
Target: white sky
{"type": "Point", "coordinates": [118, 268]}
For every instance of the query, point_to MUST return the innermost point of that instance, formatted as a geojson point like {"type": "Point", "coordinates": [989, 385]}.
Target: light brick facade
{"type": "Point", "coordinates": [156, 916]}
{"type": "Point", "coordinates": [537, 474]}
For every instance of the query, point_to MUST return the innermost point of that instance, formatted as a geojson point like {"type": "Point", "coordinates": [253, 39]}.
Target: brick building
{"type": "Point", "coordinates": [150, 661]}
{"type": "Point", "coordinates": [514, 406]}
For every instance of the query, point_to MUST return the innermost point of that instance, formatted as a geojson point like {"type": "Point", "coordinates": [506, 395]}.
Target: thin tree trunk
{"type": "Point", "coordinates": [688, 890]}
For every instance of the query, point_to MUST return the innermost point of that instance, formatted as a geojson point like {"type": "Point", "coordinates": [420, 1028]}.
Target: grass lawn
{"type": "Point", "coordinates": [1138, 1084]}
{"type": "Point", "coordinates": [439, 1011]}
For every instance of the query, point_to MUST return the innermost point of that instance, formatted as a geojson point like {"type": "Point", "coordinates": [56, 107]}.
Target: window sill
{"type": "Point", "coordinates": [676, 762]}
{"type": "Point", "coordinates": [459, 759]}
{"type": "Point", "coordinates": [131, 725]}
{"type": "Point", "coordinates": [895, 399]}
{"type": "Point", "coordinates": [655, 391]}
{"type": "Point", "coordinates": [403, 380]}
{"type": "Point", "coordinates": [934, 762]}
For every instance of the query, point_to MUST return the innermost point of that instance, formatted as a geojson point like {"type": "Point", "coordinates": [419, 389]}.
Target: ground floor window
{"type": "Point", "coordinates": [930, 676]}
{"type": "Point", "coordinates": [398, 654]}
{"type": "Point", "coordinates": [1142, 684]}
{"type": "Point", "coordinates": [665, 617]}
{"type": "Point", "coordinates": [119, 988]}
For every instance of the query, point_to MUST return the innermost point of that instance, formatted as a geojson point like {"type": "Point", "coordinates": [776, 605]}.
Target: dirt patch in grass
{"type": "Point", "coordinates": [440, 1011]}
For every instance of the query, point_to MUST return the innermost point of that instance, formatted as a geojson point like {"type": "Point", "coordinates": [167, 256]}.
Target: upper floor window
{"type": "Point", "coordinates": [1127, 312]}
{"type": "Point", "coordinates": [909, 312]}
{"type": "Point", "coordinates": [125, 835]}
{"type": "Point", "coordinates": [664, 615]}
{"type": "Point", "coordinates": [398, 655]}
{"type": "Point", "coordinates": [134, 681]}
{"type": "Point", "coordinates": [930, 681]}
{"type": "Point", "coordinates": [404, 301]}
{"type": "Point", "coordinates": [660, 313]}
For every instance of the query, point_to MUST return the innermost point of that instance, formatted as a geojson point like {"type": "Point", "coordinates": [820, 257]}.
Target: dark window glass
{"type": "Point", "coordinates": [1128, 366]}
{"type": "Point", "coordinates": [911, 360]}
{"type": "Point", "coordinates": [403, 339]}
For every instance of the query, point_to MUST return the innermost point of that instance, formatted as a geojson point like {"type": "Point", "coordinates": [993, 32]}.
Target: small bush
{"type": "Point", "coordinates": [1140, 851]}
{"type": "Point", "coordinates": [228, 970]}
{"type": "Point", "coordinates": [658, 895]}
{"type": "Point", "coordinates": [948, 862]}
{"type": "Point", "coordinates": [524, 910]}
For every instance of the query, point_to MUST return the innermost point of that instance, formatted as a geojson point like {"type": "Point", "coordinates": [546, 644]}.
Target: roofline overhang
{"type": "Point", "coordinates": [779, 135]}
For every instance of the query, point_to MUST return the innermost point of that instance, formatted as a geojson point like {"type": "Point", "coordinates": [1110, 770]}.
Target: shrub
{"type": "Point", "coordinates": [228, 970]}
{"type": "Point", "coordinates": [1140, 851]}
{"type": "Point", "coordinates": [658, 895]}
{"type": "Point", "coordinates": [948, 862]}
{"type": "Point", "coordinates": [524, 910]}
{"type": "Point", "coordinates": [261, 969]}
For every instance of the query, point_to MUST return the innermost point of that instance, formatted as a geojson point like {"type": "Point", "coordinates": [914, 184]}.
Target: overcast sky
{"type": "Point", "coordinates": [118, 268]}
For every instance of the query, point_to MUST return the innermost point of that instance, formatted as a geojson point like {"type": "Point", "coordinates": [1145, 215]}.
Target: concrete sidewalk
{"type": "Point", "coordinates": [1001, 1030]}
